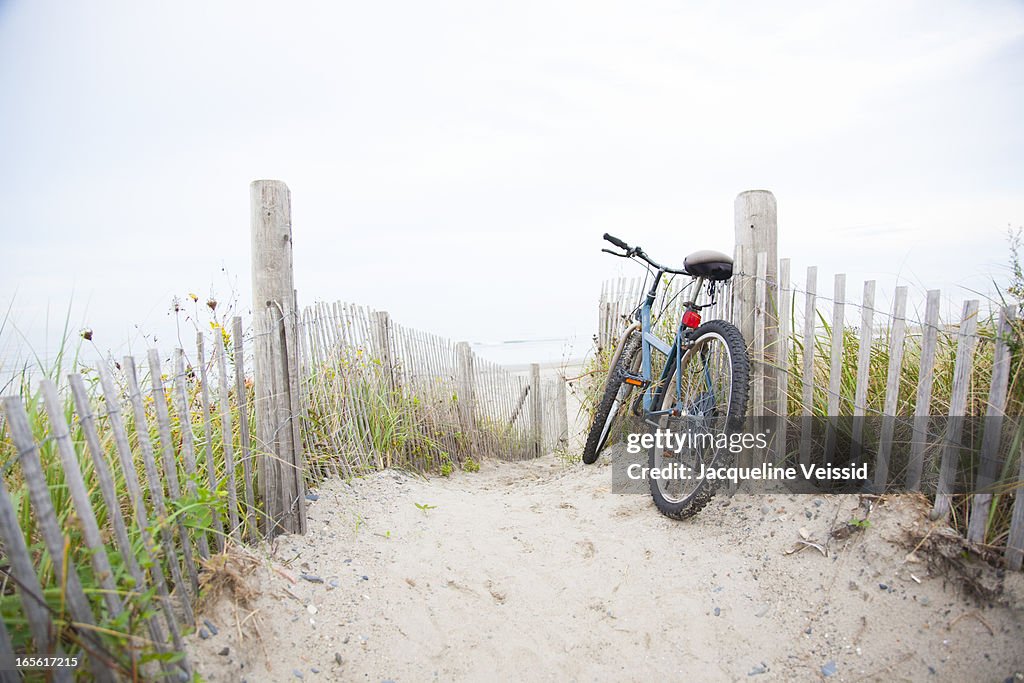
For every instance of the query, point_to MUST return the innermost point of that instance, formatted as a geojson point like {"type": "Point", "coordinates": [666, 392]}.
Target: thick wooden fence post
{"type": "Point", "coordinates": [381, 334]}
{"type": "Point", "coordinates": [757, 231]}
{"type": "Point", "coordinates": [536, 411]}
{"type": "Point", "coordinates": [563, 415]}
{"type": "Point", "coordinates": [466, 392]}
{"type": "Point", "coordinates": [276, 376]}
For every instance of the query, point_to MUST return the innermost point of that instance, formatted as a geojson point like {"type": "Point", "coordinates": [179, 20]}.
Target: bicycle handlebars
{"type": "Point", "coordinates": [637, 251]}
{"type": "Point", "coordinates": [616, 241]}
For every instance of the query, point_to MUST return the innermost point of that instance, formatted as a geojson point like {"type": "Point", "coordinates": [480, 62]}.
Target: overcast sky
{"type": "Point", "coordinates": [456, 163]}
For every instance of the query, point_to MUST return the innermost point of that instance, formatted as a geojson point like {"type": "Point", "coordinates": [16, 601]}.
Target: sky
{"type": "Point", "coordinates": [455, 163]}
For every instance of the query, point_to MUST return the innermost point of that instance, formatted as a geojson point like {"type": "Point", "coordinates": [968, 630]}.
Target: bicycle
{"type": "Point", "coordinates": [703, 384]}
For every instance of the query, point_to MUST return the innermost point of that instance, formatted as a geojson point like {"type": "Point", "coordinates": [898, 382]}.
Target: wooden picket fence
{"type": "Point", "coordinates": [135, 477]}
{"type": "Point", "coordinates": [808, 359]}
{"type": "Point", "coordinates": [381, 393]}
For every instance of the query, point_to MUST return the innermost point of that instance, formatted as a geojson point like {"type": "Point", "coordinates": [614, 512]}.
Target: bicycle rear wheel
{"type": "Point", "coordinates": [711, 398]}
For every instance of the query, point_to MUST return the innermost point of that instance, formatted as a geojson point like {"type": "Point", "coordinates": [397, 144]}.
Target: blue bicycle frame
{"type": "Point", "coordinates": [673, 352]}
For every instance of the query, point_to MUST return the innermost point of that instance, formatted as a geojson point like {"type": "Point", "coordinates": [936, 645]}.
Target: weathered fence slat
{"type": "Point", "coordinates": [80, 496]}
{"type": "Point", "coordinates": [892, 387]}
{"type": "Point", "coordinates": [188, 454]}
{"type": "Point", "coordinates": [211, 468]}
{"type": "Point", "coordinates": [226, 437]}
{"type": "Point", "coordinates": [990, 461]}
{"type": "Point", "coordinates": [860, 397]}
{"type": "Point", "coordinates": [7, 661]}
{"type": "Point", "coordinates": [536, 417]}
{"type": "Point", "coordinates": [807, 380]}
{"type": "Point", "coordinates": [758, 339]}
{"type": "Point", "coordinates": [49, 529]}
{"type": "Point", "coordinates": [243, 427]}
{"type": "Point", "coordinates": [785, 308]}
{"type": "Point", "coordinates": [1015, 541]}
{"type": "Point", "coordinates": [925, 380]}
{"type": "Point", "coordinates": [966, 341]}
{"type": "Point", "coordinates": [22, 570]}
{"type": "Point", "coordinates": [835, 372]}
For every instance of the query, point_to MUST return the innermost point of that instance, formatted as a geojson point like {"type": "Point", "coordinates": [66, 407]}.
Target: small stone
{"type": "Point", "coordinates": [337, 657]}
{"type": "Point", "coordinates": [818, 502]}
{"type": "Point", "coordinates": [761, 668]}
{"type": "Point", "coordinates": [213, 629]}
{"type": "Point", "coordinates": [297, 673]}
{"type": "Point", "coordinates": [365, 577]}
{"type": "Point", "coordinates": [808, 514]}
{"type": "Point", "coordinates": [333, 583]}
{"type": "Point", "coordinates": [829, 669]}
{"type": "Point", "coordinates": [808, 630]}
{"type": "Point", "coordinates": [925, 600]}
{"type": "Point", "coordinates": [224, 652]}
{"type": "Point", "coordinates": [762, 610]}
{"type": "Point", "coordinates": [312, 497]}
{"type": "Point", "coordinates": [312, 578]}
{"type": "Point", "coordinates": [883, 587]}
{"type": "Point", "coordinates": [314, 669]}
{"type": "Point", "coordinates": [203, 633]}
{"type": "Point", "coordinates": [765, 510]}
{"type": "Point", "coordinates": [311, 608]}
{"type": "Point", "coordinates": [718, 611]}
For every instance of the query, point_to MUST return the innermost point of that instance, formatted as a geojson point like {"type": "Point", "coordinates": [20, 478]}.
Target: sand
{"type": "Point", "coordinates": [535, 571]}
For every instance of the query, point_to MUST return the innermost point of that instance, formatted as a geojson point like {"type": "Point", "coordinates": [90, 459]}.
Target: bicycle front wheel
{"type": "Point", "coordinates": [708, 402]}
{"type": "Point", "coordinates": [615, 399]}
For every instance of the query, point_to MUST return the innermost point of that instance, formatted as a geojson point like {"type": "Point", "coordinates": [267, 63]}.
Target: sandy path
{"type": "Point", "coordinates": [535, 571]}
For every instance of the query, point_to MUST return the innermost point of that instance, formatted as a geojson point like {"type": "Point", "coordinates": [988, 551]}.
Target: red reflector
{"type": "Point", "coordinates": [691, 319]}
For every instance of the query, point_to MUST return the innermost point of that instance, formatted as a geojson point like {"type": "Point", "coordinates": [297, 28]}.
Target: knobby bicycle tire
{"type": "Point", "coordinates": [595, 442]}
{"type": "Point", "coordinates": [739, 390]}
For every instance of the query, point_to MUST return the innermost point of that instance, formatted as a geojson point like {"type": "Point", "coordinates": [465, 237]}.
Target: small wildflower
{"type": "Point", "coordinates": [194, 297]}
{"type": "Point", "coordinates": [176, 305]}
{"type": "Point", "coordinates": [87, 334]}
{"type": "Point", "coordinates": [212, 303]}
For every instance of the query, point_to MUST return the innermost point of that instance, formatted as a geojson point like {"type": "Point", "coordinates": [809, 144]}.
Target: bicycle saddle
{"type": "Point", "coordinates": [714, 265]}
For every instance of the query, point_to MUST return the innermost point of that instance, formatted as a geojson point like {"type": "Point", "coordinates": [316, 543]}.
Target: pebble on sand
{"type": "Point", "coordinates": [829, 669]}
